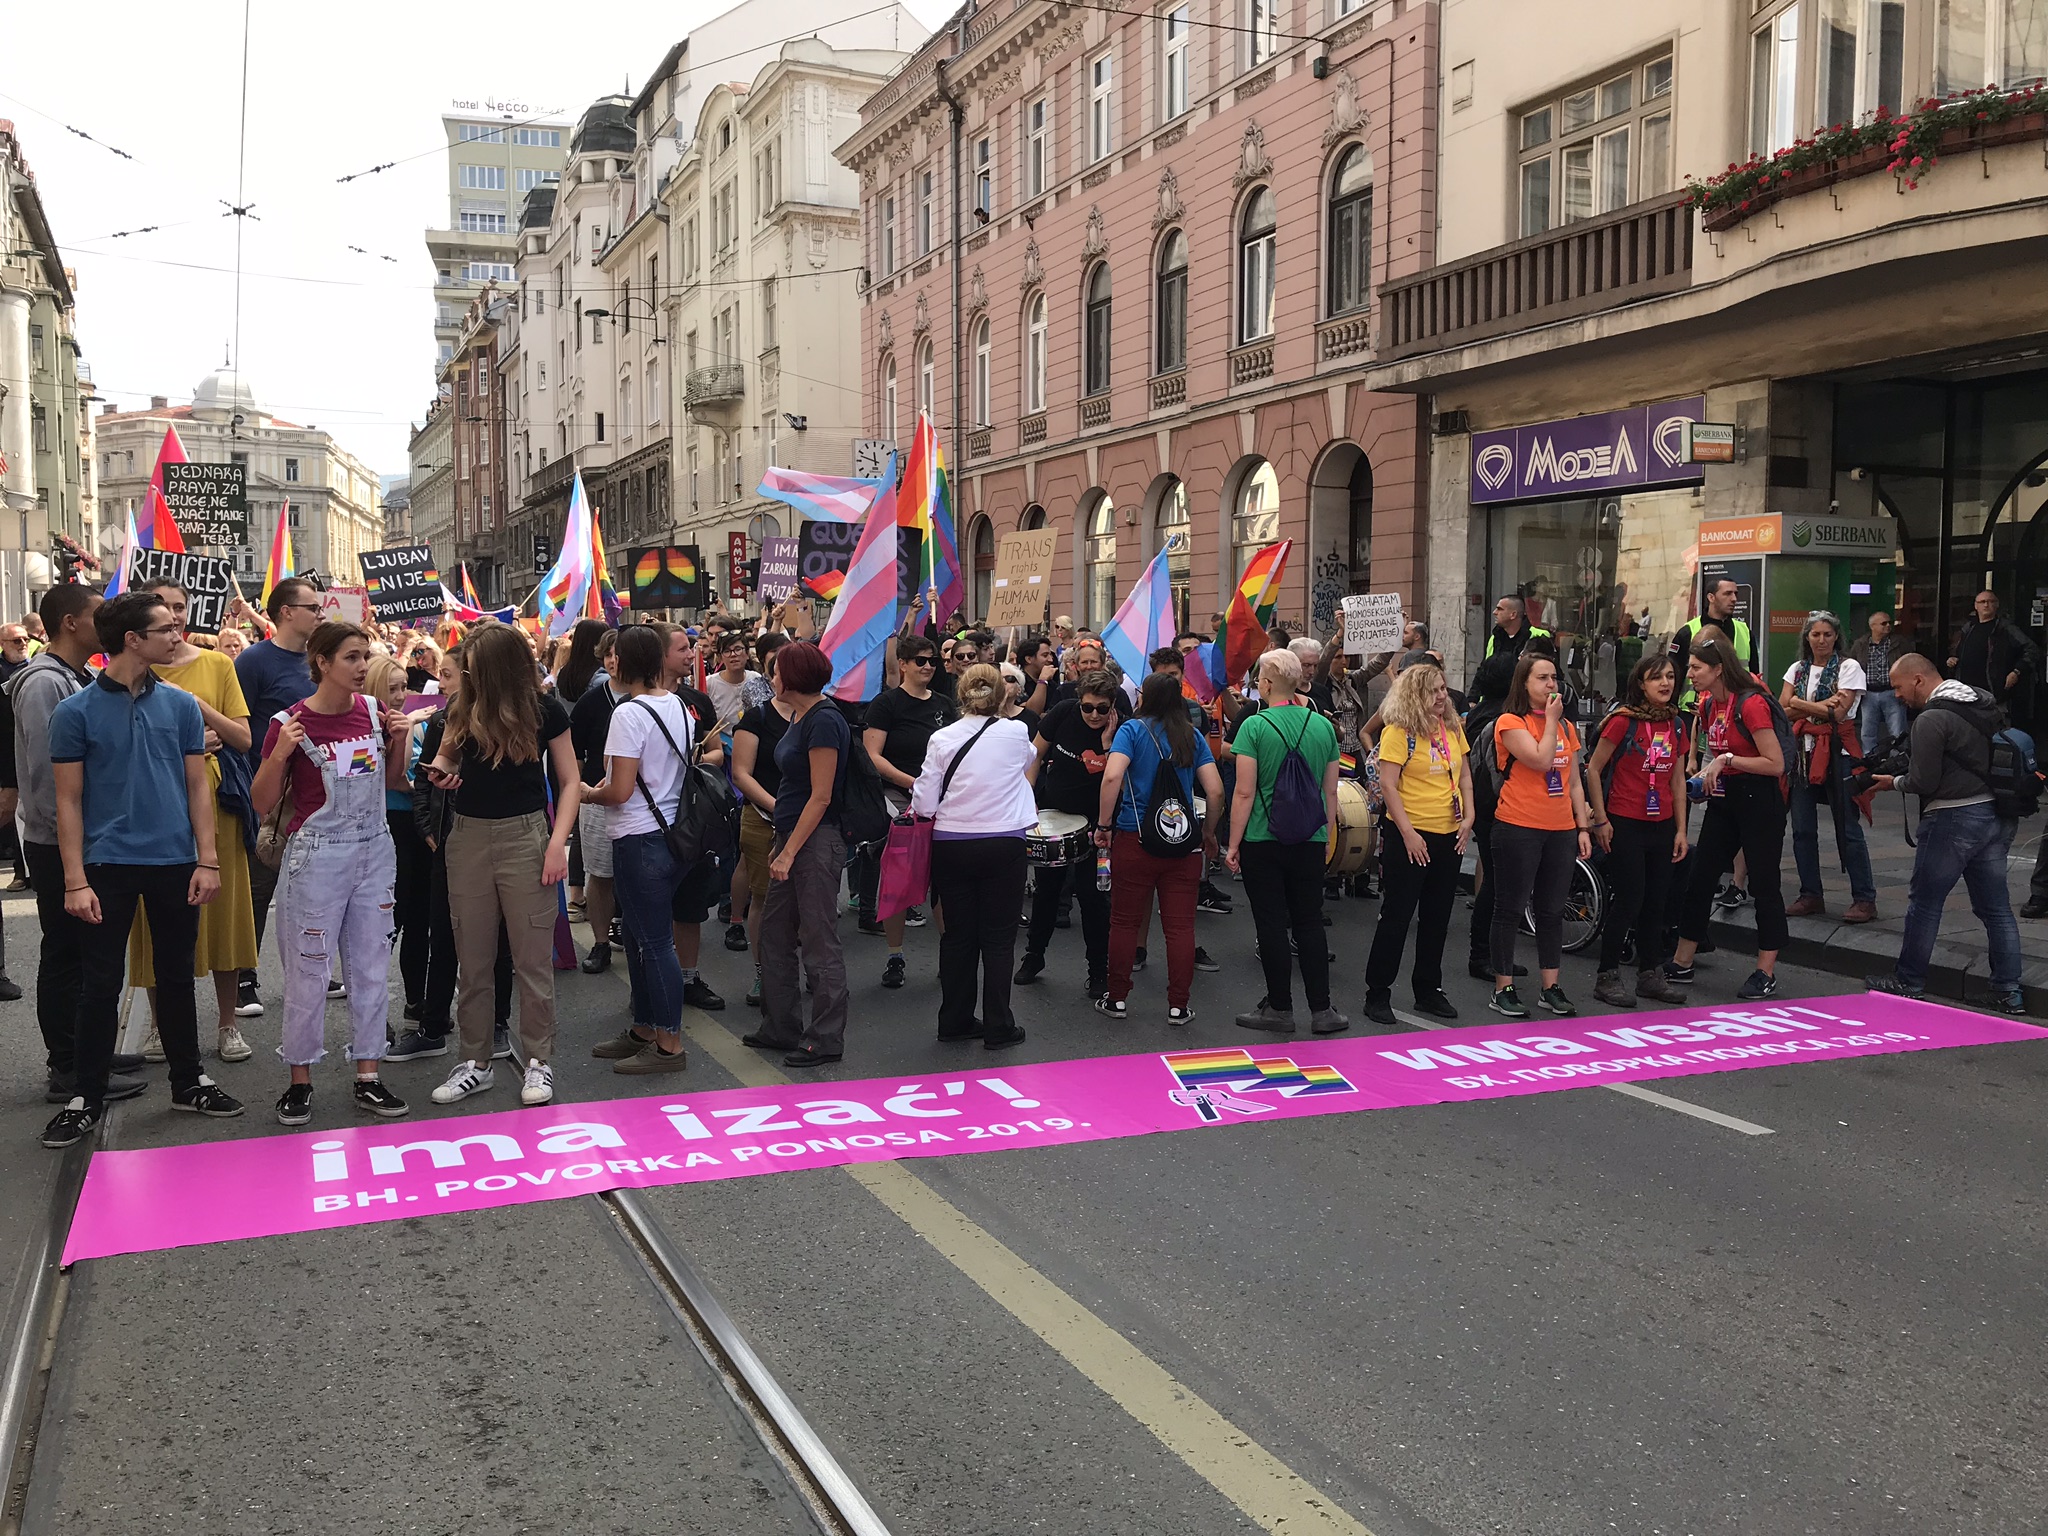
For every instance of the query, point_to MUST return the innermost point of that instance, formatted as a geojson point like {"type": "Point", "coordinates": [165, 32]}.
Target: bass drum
{"type": "Point", "coordinates": [1351, 840]}
{"type": "Point", "coordinates": [1059, 839]}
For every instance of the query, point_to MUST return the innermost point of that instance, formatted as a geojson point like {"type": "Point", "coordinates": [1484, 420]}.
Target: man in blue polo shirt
{"type": "Point", "coordinates": [134, 824]}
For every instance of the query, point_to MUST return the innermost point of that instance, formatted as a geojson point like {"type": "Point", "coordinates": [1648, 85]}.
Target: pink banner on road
{"type": "Point", "coordinates": [174, 1197]}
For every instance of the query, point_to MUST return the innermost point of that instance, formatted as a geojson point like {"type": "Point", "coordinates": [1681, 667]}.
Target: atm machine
{"type": "Point", "coordinates": [1787, 565]}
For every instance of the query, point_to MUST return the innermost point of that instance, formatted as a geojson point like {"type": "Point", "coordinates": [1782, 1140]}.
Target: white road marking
{"type": "Point", "coordinates": [1661, 1100]}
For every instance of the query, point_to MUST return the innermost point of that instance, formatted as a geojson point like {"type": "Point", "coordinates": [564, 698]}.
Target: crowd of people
{"type": "Point", "coordinates": [455, 796]}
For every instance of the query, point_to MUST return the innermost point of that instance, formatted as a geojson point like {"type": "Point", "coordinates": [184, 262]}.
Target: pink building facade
{"type": "Point", "coordinates": [1148, 326]}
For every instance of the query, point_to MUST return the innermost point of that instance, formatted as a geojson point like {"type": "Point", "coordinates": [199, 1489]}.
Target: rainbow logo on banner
{"type": "Point", "coordinates": [647, 570]}
{"type": "Point", "coordinates": [362, 761]}
{"type": "Point", "coordinates": [1210, 1081]}
{"type": "Point", "coordinates": [682, 567]}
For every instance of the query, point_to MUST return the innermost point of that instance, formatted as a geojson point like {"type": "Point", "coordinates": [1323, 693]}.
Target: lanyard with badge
{"type": "Point", "coordinates": [1657, 759]}
{"type": "Point", "coordinates": [1440, 748]}
{"type": "Point", "coordinates": [1553, 781]}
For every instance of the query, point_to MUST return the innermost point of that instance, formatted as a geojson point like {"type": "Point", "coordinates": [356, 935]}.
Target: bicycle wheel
{"type": "Point", "coordinates": [1585, 905]}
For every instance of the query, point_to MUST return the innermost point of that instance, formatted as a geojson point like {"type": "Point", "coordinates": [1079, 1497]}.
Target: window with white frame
{"type": "Point", "coordinates": [1774, 83]}
{"type": "Point", "coordinates": [484, 271]}
{"type": "Point", "coordinates": [1101, 105]}
{"type": "Point", "coordinates": [768, 332]}
{"type": "Point", "coordinates": [925, 212]}
{"type": "Point", "coordinates": [1036, 339]}
{"type": "Point", "coordinates": [1176, 24]}
{"type": "Point", "coordinates": [888, 233]}
{"type": "Point", "coordinates": [1095, 332]}
{"type": "Point", "coordinates": [1598, 146]}
{"type": "Point", "coordinates": [984, 175]}
{"type": "Point", "coordinates": [1989, 42]}
{"type": "Point", "coordinates": [1350, 237]}
{"type": "Point", "coordinates": [654, 392]}
{"type": "Point", "coordinates": [527, 180]}
{"type": "Point", "coordinates": [1256, 246]}
{"type": "Point", "coordinates": [1170, 302]}
{"type": "Point", "coordinates": [982, 411]}
{"type": "Point", "coordinates": [1261, 31]}
{"type": "Point", "coordinates": [538, 138]}
{"type": "Point", "coordinates": [482, 223]}
{"type": "Point", "coordinates": [481, 133]}
{"type": "Point", "coordinates": [1037, 146]}
{"type": "Point", "coordinates": [889, 398]}
{"type": "Point", "coordinates": [481, 178]}
{"type": "Point", "coordinates": [291, 471]}
{"type": "Point", "coordinates": [927, 380]}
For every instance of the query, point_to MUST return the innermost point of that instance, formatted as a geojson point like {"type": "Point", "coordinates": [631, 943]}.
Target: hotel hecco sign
{"type": "Point", "coordinates": [1582, 455]}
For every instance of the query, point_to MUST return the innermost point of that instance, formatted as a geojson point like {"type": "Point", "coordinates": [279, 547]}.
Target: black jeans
{"type": "Point", "coordinates": [979, 882]}
{"type": "Point", "coordinates": [62, 964]}
{"type": "Point", "coordinates": [1482, 897]}
{"type": "Point", "coordinates": [1422, 893]}
{"type": "Point", "coordinates": [262, 886]}
{"type": "Point", "coordinates": [1054, 886]}
{"type": "Point", "coordinates": [437, 1002]}
{"type": "Point", "coordinates": [1532, 871]}
{"type": "Point", "coordinates": [1283, 882]}
{"type": "Point", "coordinates": [174, 931]}
{"type": "Point", "coordinates": [411, 896]}
{"type": "Point", "coordinates": [1751, 818]}
{"type": "Point", "coordinates": [1638, 869]}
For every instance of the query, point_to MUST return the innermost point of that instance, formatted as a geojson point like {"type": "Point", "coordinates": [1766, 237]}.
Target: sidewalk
{"type": "Point", "coordinates": [1962, 957]}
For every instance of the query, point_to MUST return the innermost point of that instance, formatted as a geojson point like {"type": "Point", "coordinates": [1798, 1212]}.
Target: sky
{"type": "Point", "coordinates": [331, 335]}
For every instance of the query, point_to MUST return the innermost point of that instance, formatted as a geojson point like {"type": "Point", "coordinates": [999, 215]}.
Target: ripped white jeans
{"type": "Point", "coordinates": [334, 899]}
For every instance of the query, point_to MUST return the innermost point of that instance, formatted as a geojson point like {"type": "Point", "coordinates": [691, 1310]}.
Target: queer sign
{"type": "Point", "coordinates": [402, 583]}
{"type": "Point", "coordinates": [174, 1197]}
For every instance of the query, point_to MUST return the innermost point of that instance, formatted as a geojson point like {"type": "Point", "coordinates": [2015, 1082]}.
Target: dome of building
{"type": "Point", "coordinates": [222, 391]}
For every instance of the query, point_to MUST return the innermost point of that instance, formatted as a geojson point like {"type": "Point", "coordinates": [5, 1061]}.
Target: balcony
{"type": "Point", "coordinates": [980, 443]}
{"type": "Point", "coordinates": [1031, 430]}
{"type": "Point", "coordinates": [1248, 365]}
{"type": "Point", "coordinates": [1642, 252]}
{"type": "Point", "coordinates": [1095, 412]}
{"type": "Point", "coordinates": [1170, 390]}
{"type": "Point", "coordinates": [1346, 336]}
{"type": "Point", "coordinates": [714, 396]}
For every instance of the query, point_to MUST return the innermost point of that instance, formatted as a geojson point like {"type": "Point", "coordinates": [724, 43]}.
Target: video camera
{"type": "Point", "coordinates": [1893, 756]}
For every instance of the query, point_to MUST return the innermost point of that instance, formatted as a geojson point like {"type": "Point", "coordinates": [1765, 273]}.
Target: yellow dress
{"type": "Point", "coordinates": [227, 924]}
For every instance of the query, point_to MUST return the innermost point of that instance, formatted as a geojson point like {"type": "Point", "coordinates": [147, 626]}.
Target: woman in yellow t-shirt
{"type": "Point", "coordinates": [1426, 777]}
{"type": "Point", "coordinates": [227, 924]}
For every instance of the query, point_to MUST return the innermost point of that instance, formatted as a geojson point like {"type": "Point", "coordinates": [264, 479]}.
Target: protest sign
{"type": "Point", "coordinates": [209, 503]}
{"type": "Point", "coordinates": [208, 582]}
{"type": "Point", "coordinates": [1023, 578]}
{"type": "Point", "coordinates": [402, 583]}
{"type": "Point", "coordinates": [350, 605]}
{"type": "Point", "coordinates": [1372, 623]}
{"type": "Point", "coordinates": [779, 558]}
{"type": "Point", "coordinates": [664, 576]}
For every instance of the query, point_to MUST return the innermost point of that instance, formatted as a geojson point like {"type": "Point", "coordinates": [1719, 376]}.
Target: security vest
{"type": "Point", "coordinates": [1687, 697]}
{"type": "Point", "coordinates": [1529, 631]}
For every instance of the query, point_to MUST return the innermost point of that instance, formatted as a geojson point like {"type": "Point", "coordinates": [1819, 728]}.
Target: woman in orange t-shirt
{"type": "Point", "coordinates": [1539, 829]}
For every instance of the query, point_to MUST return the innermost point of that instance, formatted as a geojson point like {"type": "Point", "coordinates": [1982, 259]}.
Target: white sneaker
{"type": "Point", "coordinates": [467, 1078]}
{"type": "Point", "coordinates": [153, 1046]}
{"type": "Point", "coordinates": [234, 1046]}
{"type": "Point", "coordinates": [336, 989]}
{"type": "Point", "coordinates": [539, 1087]}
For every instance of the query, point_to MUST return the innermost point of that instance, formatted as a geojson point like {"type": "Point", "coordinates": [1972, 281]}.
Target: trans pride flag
{"type": "Point", "coordinates": [117, 583]}
{"type": "Point", "coordinates": [1142, 625]}
{"type": "Point", "coordinates": [566, 589]}
{"type": "Point", "coordinates": [822, 498]}
{"type": "Point", "coordinates": [864, 617]}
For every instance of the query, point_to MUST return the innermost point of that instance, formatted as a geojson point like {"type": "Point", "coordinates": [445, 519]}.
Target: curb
{"type": "Point", "coordinates": [1945, 981]}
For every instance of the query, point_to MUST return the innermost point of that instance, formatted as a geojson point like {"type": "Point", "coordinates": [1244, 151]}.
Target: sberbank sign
{"type": "Point", "coordinates": [1839, 536]}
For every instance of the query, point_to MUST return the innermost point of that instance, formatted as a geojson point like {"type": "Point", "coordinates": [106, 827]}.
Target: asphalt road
{"type": "Point", "coordinates": [1569, 1313]}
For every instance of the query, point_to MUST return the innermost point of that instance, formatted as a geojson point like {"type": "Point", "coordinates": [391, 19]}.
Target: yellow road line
{"type": "Point", "coordinates": [1265, 1488]}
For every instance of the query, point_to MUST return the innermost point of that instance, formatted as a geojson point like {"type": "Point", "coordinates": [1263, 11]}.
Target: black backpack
{"type": "Point", "coordinates": [1167, 828]}
{"type": "Point", "coordinates": [2014, 782]}
{"type": "Point", "coordinates": [863, 812]}
{"type": "Point", "coordinates": [707, 823]}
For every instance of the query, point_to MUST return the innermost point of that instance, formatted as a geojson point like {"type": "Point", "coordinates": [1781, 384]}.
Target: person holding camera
{"type": "Point", "coordinates": [1961, 835]}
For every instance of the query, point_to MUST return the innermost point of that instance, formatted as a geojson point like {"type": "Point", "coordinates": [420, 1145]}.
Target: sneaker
{"type": "Point", "coordinates": [1179, 1016]}
{"type": "Point", "coordinates": [18, 883]}
{"type": "Point", "coordinates": [501, 1043]}
{"type": "Point", "coordinates": [1506, 1004]}
{"type": "Point", "coordinates": [1730, 896]}
{"type": "Point", "coordinates": [736, 938]}
{"type": "Point", "coordinates": [10, 990]}
{"type": "Point", "coordinates": [1028, 969]}
{"type": "Point", "coordinates": [1379, 1007]}
{"type": "Point", "coordinates": [539, 1086]}
{"type": "Point", "coordinates": [413, 1012]}
{"type": "Point", "coordinates": [1213, 901]}
{"type": "Point", "coordinates": [2013, 1002]}
{"type": "Point", "coordinates": [1137, 962]}
{"type": "Point", "coordinates": [649, 1058]}
{"type": "Point", "coordinates": [1274, 1021]}
{"type": "Point", "coordinates": [295, 1105]}
{"type": "Point", "coordinates": [1110, 1009]}
{"type": "Point", "coordinates": [1760, 985]}
{"type": "Point", "coordinates": [1893, 984]}
{"type": "Point", "coordinates": [2036, 907]}
{"type": "Point", "coordinates": [616, 934]}
{"type": "Point", "coordinates": [374, 1098]}
{"type": "Point", "coordinates": [1437, 1004]}
{"type": "Point", "coordinates": [415, 1043]}
{"type": "Point", "coordinates": [1608, 988]}
{"type": "Point", "coordinates": [63, 1088]}
{"type": "Point", "coordinates": [1553, 1000]}
{"type": "Point", "coordinates": [208, 1099]}
{"type": "Point", "coordinates": [1328, 1021]}
{"type": "Point", "coordinates": [234, 1045]}
{"type": "Point", "coordinates": [247, 1004]}
{"type": "Point", "coordinates": [914, 917]}
{"type": "Point", "coordinates": [892, 972]}
{"type": "Point", "coordinates": [467, 1078]}
{"type": "Point", "coordinates": [754, 992]}
{"type": "Point", "coordinates": [1656, 987]}
{"type": "Point", "coordinates": [153, 1046]}
{"type": "Point", "coordinates": [599, 959]}
{"type": "Point", "coordinates": [625, 1043]}
{"type": "Point", "coordinates": [336, 989]}
{"type": "Point", "coordinates": [725, 909]}
{"type": "Point", "coordinates": [871, 925]}
{"type": "Point", "coordinates": [71, 1124]}
{"type": "Point", "coordinates": [1678, 975]}
{"type": "Point", "coordinates": [1204, 961]}
{"type": "Point", "coordinates": [697, 993]}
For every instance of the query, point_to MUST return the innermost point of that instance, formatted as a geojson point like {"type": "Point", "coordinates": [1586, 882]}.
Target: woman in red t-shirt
{"type": "Point", "coordinates": [1639, 821]}
{"type": "Point", "coordinates": [1745, 810]}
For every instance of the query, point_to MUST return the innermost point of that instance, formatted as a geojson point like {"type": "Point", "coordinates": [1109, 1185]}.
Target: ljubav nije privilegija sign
{"type": "Point", "coordinates": [1612, 451]}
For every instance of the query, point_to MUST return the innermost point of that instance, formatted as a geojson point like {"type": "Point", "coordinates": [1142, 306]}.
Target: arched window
{"type": "Point", "coordinates": [1101, 604]}
{"type": "Point", "coordinates": [889, 399]}
{"type": "Point", "coordinates": [1035, 343]}
{"type": "Point", "coordinates": [1170, 352]}
{"type": "Point", "coordinates": [1255, 520]}
{"type": "Point", "coordinates": [927, 380]}
{"type": "Point", "coordinates": [1351, 232]}
{"type": "Point", "coordinates": [1034, 518]}
{"type": "Point", "coordinates": [982, 548]}
{"type": "Point", "coordinates": [1255, 244]}
{"type": "Point", "coordinates": [982, 412]}
{"type": "Point", "coordinates": [1096, 330]}
{"type": "Point", "coordinates": [1171, 525]}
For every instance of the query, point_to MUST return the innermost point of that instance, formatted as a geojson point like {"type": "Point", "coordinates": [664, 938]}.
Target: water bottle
{"type": "Point", "coordinates": [1102, 869]}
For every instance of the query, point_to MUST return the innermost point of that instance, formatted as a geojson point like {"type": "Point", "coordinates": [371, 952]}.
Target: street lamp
{"type": "Point", "coordinates": [653, 314]}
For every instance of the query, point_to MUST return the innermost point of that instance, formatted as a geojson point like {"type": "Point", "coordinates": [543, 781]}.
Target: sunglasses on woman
{"type": "Point", "coordinates": [1098, 709]}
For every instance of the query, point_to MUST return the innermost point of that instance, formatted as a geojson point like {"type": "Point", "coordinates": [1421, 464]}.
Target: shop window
{"type": "Point", "coordinates": [1350, 238]}
{"type": "Point", "coordinates": [1101, 523]}
{"type": "Point", "coordinates": [1597, 147]}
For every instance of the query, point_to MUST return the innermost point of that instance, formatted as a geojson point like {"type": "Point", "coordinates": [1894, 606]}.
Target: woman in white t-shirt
{"type": "Point", "coordinates": [646, 749]}
{"type": "Point", "coordinates": [1821, 695]}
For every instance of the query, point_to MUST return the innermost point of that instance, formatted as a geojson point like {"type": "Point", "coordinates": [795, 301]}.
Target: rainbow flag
{"type": "Point", "coordinates": [157, 529]}
{"type": "Point", "coordinates": [565, 590]}
{"type": "Point", "coordinates": [1240, 1071]}
{"type": "Point", "coordinates": [827, 586]}
{"type": "Point", "coordinates": [279, 565]}
{"type": "Point", "coordinates": [821, 498]}
{"type": "Point", "coordinates": [921, 504]}
{"type": "Point", "coordinates": [864, 618]}
{"type": "Point", "coordinates": [469, 597]}
{"type": "Point", "coordinates": [603, 602]}
{"type": "Point", "coordinates": [1251, 610]}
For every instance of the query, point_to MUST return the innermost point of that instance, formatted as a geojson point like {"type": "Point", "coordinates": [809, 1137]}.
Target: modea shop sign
{"type": "Point", "coordinates": [1615, 450]}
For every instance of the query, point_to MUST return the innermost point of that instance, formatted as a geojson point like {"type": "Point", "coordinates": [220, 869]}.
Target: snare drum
{"type": "Point", "coordinates": [1059, 839]}
{"type": "Point", "coordinates": [1351, 839]}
